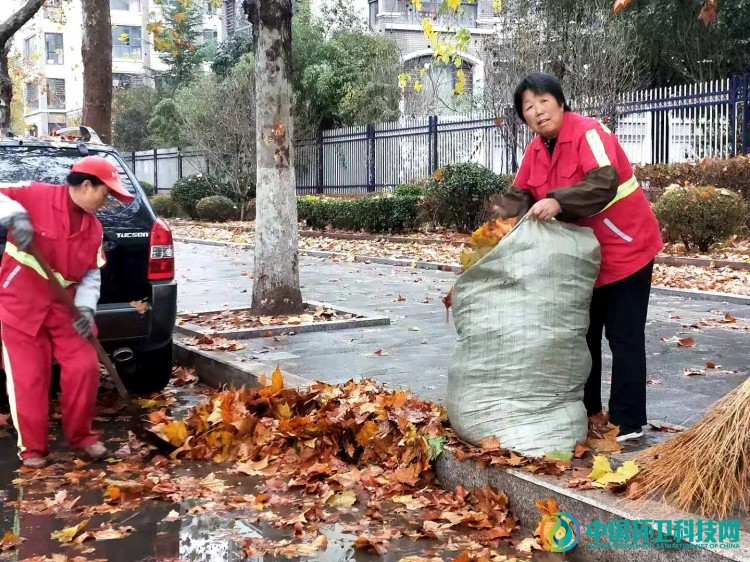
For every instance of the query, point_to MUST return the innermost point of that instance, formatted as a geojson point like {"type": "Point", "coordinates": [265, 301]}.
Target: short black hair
{"type": "Point", "coordinates": [539, 83]}
{"type": "Point", "coordinates": [77, 178]}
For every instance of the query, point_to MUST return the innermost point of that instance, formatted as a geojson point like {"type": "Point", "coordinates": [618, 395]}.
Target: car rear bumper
{"type": "Point", "coordinates": [121, 324]}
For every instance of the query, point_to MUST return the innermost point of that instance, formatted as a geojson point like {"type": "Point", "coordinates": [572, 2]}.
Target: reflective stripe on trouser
{"type": "Point", "coordinates": [28, 366]}
{"type": "Point", "coordinates": [28, 260]}
{"type": "Point", "coordinates": [623, 190]}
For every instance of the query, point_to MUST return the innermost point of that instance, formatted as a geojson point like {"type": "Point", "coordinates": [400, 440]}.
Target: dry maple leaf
{"type": "Point", "coordinates": [69, 534]}
{"type": "Point", "coordinates": [141, 306]}
{"type": "Point", "coordinates": [10, 541]}
{"type": "Point", "coordinates": [686, 342]}
{"type": "Point", "coordinates": [378, 544]}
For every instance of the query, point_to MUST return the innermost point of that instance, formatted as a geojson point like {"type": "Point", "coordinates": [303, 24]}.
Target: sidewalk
{"type": "Point", "coordinates": [417, 347]}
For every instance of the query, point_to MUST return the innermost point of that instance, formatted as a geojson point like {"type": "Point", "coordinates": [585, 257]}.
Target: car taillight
{"type": "Point", "coordinates": [161, 259]}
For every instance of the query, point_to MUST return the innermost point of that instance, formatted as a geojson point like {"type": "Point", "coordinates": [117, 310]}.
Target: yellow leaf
{"type": "Point", "coordinates": [600, 468]}
{"type": "Point", "coordinates": [623, 474]}
{"type": "Point", "coordinates": [417, 86]}
{"type": "Point", "coordinates": [497, 6]}
{"type": "Point", "coordinates": [454, 4]}
{"type": "Point", "coordinates": [418, 4]}
{"type": "Point", "coordinates": [216, 414]}
{"type": "Point", "coordinates": [124, 38]}
{"type": "Point", "coordinates": [69, 533]}
{"type": "Point", "coordinates": [277, 380]}
{"type": "Point", "coordinates": [112, 493]}
{"type": "Point", "coordinates": [403, 80]}
{"type": "Point", "coordinates": [176, 432]}
{"type": "Point", "coordinates": [347, 498]}
{"type": "Point", "coordinates": [179, 17]}
{"type": "Point", "coordinates": [284, 411]}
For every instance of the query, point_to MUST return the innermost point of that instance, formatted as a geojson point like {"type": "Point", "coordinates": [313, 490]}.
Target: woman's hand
{"type": "Point", "coordinates": [545, 210]}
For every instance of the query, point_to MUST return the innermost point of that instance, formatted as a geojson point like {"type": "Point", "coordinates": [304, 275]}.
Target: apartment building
{"type": "Point", "coordinates": [50, 51]}
{"type": "Point", "coordinates": [402, 21]}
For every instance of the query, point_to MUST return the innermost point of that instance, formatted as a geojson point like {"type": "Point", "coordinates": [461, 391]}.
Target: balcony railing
{"type": "Point", "coordinates": [465, 17]}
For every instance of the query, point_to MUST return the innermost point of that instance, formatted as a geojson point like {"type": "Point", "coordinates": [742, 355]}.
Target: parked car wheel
{"type": "Point", "coordinates": [152, 372]}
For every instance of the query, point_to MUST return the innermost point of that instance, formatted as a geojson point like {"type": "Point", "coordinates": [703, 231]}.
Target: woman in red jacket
{"type": "Point", "coordinates": [576, 171]}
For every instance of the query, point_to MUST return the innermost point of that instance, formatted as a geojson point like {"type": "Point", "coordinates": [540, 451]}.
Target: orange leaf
{"type": "Point", "coordinates": [621, 4]}
{"type": "Point", "coordinates": [438, 175]}
{"type": "Point", "coordinates": [686, 342]}
{"type": "Point", "coordinates": [368, 431]}
{"type": "Point", "coordinates": [708, 12]}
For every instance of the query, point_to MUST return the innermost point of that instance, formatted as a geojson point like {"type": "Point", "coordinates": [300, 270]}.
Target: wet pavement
{"type": "Point", "coordinates": [203, 527]}
{"type": "Point", "coordinates": [416, 349]}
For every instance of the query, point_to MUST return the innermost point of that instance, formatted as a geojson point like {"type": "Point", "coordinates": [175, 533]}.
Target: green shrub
{"type": "Point", "coordinates": [164, 206]}
{"type": "Point", "coordinates": [700, 216]}
{"type": "Point", "coordinates": [729, 173]}
{"type": "Point", "coordinates": [457, 195]}
{"type": "Point", "coordinates": [216, 208]}
{"type": "Point", "coordinates": [379, 213]}
{"type": "Point", "coordinates": [410, 190]}
{"type": "Point", "coordinates": [186, 192]}
{"type": "Point", "coordinates": [147, 188]}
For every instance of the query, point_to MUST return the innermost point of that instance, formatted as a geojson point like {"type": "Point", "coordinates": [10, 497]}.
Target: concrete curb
{"type": "Point", "coordinates": [523, 488]}
{"type": "Point", "coordinates": [366, 320]}
{"type": "Point", "coordinates": [218, 368]}
{"type": "Point", "coordinates": [665, 291]}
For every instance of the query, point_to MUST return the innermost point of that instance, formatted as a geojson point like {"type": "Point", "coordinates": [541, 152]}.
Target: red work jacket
{"type": "Point", "coordinates": [627, 229]}
{"type": "Point", "coordinates": [25, 295]}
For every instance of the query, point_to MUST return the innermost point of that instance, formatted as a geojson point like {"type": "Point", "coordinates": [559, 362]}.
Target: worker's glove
{"type": "Point", "coordinates": [22, 230]}
{"type": "Point", "coordinates": [84, 323]}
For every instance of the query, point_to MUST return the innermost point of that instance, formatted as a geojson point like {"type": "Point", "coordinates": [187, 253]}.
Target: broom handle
{"type": "Point", "coordinates": [62, 296]}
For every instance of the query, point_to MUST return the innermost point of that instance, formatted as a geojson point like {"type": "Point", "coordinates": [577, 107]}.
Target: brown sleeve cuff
{"type": "Point", "coordinates": [515, 202]}
{"type": "Point", "coordinates": [588, 197]}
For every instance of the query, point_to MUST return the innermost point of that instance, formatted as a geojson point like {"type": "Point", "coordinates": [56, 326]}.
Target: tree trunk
{"type": "Point", "coordinates": [97, 68]}
{"type": "Point", "coordinates": [7, 30]}
{"type": "Point", "coordinates": [276, 282]}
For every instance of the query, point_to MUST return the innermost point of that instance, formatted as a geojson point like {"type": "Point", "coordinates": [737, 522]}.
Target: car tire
{"type": "Point", "coordinates": [153, 370]}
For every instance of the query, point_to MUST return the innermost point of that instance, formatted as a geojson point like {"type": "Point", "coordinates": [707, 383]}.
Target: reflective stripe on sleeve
{"type": "Point", "coordinates": [597, 148]}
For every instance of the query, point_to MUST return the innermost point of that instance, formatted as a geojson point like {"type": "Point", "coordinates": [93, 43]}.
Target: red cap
{"type": "Point", "coordinates": [107, 173]}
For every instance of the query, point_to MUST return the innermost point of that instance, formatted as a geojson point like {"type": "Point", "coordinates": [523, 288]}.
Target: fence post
{"type": "Point", "coordinates": [370, 157]}
{"type": "Point", "coordinates": [156, 170]}
{"type": "Point", "coordinates": [321, 164]}
{"type": "Point", "coordinates": [179, 163]}
{"type": "Point", "coordinates": [733, 83]}
{"type": "Point", "coordinates": [432, 143]}
{"type": "Point", "coordinates": [132, 157]}
{"type": "Point", "coordinates": [745, 113]}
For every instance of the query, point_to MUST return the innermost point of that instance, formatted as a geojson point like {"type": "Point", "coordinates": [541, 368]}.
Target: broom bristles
{"type": "Point", "coordinates": [706, 468]}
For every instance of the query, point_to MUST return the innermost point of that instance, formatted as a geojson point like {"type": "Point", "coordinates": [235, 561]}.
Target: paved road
{"type": "Point", "coordinates": [419, 343]}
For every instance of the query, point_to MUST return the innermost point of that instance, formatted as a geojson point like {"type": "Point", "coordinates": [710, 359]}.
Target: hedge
{"type": "Point", "coordinates": [216, 208]}
{"type": "Point", "coordinates": [730, 173]}
{"type": "Point", "coordinates": [379, 213]}
{"type": "Point", "coordinates": [164, 206]}
{"type": "Point", "coordinates": [700, 216]}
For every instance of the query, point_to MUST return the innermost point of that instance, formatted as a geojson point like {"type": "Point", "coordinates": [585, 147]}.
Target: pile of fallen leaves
{"type": "Point", "coordinates": [229, 320]}
{"type": "Point", "coordinates": [326, 426]}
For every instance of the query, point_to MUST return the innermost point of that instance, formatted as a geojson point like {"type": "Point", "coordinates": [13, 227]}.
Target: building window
{"type": "Point", "coordinates": [125, 5]}
{"type": "Point", "coordinates": [52, 128]}
{"type": "Point", "coordinates": [29, 47]}
{"type": "Point", "coordinates": [32, 96]}
{"type": "Point", "coordinates": [126, 42]}
{"type": "Point", "coordinates": [373, 15]}
{"type": "Point", "coordinates": [209, 37]}
{"type": "Point", "coordinates": [121, 81]}
{"type": "Point", "coordinates": [55, 93]}
{"type": "Point", "coordinates": [54, 45]}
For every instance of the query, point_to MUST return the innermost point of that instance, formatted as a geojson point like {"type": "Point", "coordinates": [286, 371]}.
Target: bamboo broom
{"type": "Point", "coordinates": [706, 468]}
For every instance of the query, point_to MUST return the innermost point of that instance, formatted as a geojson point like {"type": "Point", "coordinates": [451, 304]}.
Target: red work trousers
{"type": "Point", "coordinates": [28, 368]}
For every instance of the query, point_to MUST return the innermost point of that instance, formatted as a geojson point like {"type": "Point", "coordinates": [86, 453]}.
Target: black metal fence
{"type": "Point", "coordinates": [683, 123]}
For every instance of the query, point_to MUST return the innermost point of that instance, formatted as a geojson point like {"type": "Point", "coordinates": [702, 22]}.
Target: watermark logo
{"type": "Point", "coordinates": [664, 534]}
{"type": "Point", "coordinates": [560, 531]}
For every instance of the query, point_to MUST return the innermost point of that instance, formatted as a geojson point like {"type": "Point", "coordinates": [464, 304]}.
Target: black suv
{"type": "Point", "coordinates": [140, 258]}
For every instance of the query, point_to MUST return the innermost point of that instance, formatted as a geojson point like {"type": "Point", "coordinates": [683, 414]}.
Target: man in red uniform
{"type": "Point", "coordinates": [60, 221]}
